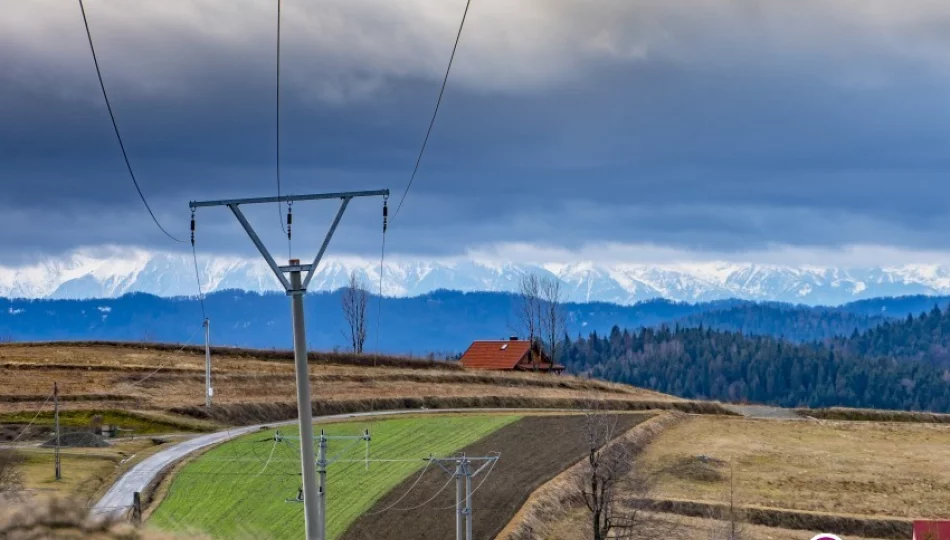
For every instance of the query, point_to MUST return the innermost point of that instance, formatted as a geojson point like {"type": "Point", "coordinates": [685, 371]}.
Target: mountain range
{"type": "Point", "coordinates": [111, 274]}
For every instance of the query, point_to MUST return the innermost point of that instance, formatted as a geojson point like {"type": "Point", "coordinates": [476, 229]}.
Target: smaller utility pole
{"type": "Point", "coordinates": [59, 470]}
{"type": "Point", "coordinates": [463, 473]}
{"type": "Point", "coordinates": [322, 463]}
{"type": "Point", "coordinates": [208, 390]}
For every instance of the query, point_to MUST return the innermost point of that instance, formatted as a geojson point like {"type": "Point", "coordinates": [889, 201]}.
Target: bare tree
{"type": "Point", "coordinates": [553, 321]}
{"type": "Point", "coordinates": [529, 306]}
{"type": "Point", "coordinates": [11, 477]}
{"type": "Point", "coordinates": [611, 487]}
{"type": "Point", "coordinates": [732, 517]}
{"type": "Point", "coordinates": [354, 302]}
{"type": "Point", "coordinates": [540, 313]}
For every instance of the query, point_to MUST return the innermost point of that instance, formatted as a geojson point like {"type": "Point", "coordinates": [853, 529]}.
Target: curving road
{"type": "Point", "coordinates": [117, 501]}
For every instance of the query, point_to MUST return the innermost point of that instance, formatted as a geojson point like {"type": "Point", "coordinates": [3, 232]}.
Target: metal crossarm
{"type": "Point", "coordinates": [292, 198]}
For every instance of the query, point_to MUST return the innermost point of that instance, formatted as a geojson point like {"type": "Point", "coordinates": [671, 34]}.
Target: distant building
{"type": "Point", "coordinates": [508, 355]}
{"type": "Point", "coordinates": [931, 530]}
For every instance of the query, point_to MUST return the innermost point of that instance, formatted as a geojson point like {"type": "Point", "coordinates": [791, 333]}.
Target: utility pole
{"type": "Point", "coordinates": [59, 470]}
{"type": "Point", "coordinates": [463, 473]}
{"type": "Point", "coordinates": [296, 287]}
{"type": "Point", "coordinates": [208, 391]}
{"type": "Point", "coordinates": [322, 463]}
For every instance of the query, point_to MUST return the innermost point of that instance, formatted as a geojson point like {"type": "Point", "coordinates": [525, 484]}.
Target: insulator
{"type": "Point", "coordinates": [385, 215]}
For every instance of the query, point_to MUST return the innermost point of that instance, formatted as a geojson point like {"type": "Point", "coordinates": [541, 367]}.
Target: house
{"type": "Point", "coordinates": [931, 530]}
{"type": "Point", "coordinates": [508, 355]}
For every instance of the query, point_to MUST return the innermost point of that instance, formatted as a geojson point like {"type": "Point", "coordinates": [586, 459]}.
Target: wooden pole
{"type": "Point", "coordinates": [59, 470]}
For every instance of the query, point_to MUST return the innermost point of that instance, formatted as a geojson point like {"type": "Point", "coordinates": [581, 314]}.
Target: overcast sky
{"type": "Point", "coordinates": [694, 126]}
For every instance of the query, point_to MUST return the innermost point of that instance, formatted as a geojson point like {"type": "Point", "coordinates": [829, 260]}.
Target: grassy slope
{"type": "Point", "coordinates": [859, 468]}
{"type": "Point", "coordinates": [146, 423]}
{"type": "Point", "coordinates": [234, 491]}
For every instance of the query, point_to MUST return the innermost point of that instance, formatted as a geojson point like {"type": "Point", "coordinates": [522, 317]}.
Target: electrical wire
{"type": "Point", "coordinates": [264, 468]}
{"type": "Point", "coordinates": [430, 499]}
{"type": "Point", "coordinates": [201, 296]}
{"type": "Point", "coordinates": [382, 260]}
{"type": "Point", "coordinates": [37, 415]}
{"type": "Point", "coordinates": [163, 366]}
{"type": "Point", "coordinates": [115, 126]}
{"type": "Point", "coordinates": [435, 113]}
{"type": "Point", "coordinates": [480, 484]}
{"type": "Point", "coordinates": [404, 495]}
{"type": "Point", "coordinates": [280, 212]}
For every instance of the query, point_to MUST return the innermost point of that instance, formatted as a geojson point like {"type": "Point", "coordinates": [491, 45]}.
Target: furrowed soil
{"type": "Point", "coordinates": [159, 378]}
{"type": "Point", "coordinates": [532, 451]}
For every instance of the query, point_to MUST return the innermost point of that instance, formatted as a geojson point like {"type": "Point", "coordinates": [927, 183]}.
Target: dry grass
{"type": "Point", "coordinates": [65, 519]}
{"type": "Point", "coordinates": [872, 527]}
{"type": "Point", "coordinates": [842, 468]}
{"type": "Point", "coordinates": [676, 527]}
{"type": "Point", "coordinates": [104, 376]}
{"type": "Point", "coordinates": [875, 415]}
{"type": "Point", "coordinates": [86, 471]}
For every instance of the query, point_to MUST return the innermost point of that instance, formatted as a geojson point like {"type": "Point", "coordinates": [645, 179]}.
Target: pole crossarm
{"type": "Point", "coordinates": [293, 198]}
{"type": "Point", "coordinates": [281, 271]}
{"type": "Point", "coordinates": [463, 474]}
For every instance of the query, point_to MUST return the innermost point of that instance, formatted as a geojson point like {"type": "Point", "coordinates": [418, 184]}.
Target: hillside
{"type": "Point", "coordinates": [442, 322]}
{"type": "Point", "coordinates": [259, 385]}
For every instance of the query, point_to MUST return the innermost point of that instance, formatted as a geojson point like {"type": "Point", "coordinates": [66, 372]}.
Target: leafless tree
{"type": "Point", "coordinates": [540, 312]}
{"type": "Point", "coordinates": [732, 518]}
{"type": "Point", "coordinates": [11, 477]}
{"type": "Point", "coordinates": [354, 302]}
{"type": "Point", "coordinates": [611, 486]}
{"type": "Point", "coordinates": [528, 309]}
{"type": "Point", "coordinates": [553, 321]}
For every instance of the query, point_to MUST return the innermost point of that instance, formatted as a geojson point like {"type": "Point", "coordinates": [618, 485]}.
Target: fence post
{"type": "Point", "coordinates": [137, 508]}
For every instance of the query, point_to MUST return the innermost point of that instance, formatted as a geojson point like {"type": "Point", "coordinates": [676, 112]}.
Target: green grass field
{"type": "Point", "coordinates": [240, 489]}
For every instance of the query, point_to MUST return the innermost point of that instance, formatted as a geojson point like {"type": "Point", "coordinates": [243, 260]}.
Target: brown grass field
{"type": "Point", "coordinates": [846, 468]}
{"type": "Point", "coordinates": [676, 527]}
{"type": "Point", "coordinates": [125, 377]}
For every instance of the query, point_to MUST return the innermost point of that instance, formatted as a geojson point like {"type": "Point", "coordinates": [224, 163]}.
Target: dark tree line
{"type": "Point", "coordinates": [925, 338]}
{"type": "Point", "coordinates": [712, 364]}
{"type": "Point", "coordinates": [793, 323]}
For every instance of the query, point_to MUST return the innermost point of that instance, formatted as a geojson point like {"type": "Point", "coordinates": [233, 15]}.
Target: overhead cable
{"type": "Point", "coordinates": [115, 126]}
{"type": "Point", "coordinates": [435, 112]}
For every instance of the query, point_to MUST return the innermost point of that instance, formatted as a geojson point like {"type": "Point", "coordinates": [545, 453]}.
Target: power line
{"type": "Point", "coordinates": [435, 113]}
{"type": "Point", "coordinates": [194, 256]}
{"type": "Point", "coordinates": [382, 260]}
{"type": "Point", "coordinates": [280, 213]}
{"type": "Point", "coordinates": [115, 126]}
{"type": "Point", "coordinates": [37, 415]}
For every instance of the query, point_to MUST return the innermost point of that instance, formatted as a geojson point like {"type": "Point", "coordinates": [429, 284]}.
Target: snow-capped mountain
{"type": "Point", "coordinates": [106, 275]}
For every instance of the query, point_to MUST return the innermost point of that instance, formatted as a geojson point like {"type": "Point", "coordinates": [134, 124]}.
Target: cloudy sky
{"type": "Point", "coordinates": [695, 127]}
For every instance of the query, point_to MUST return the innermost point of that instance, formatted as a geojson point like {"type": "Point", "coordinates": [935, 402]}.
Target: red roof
{"type": "Point", "coordinates": [495, 354]}
{"type": "Point", "coordinates": [932, 530]}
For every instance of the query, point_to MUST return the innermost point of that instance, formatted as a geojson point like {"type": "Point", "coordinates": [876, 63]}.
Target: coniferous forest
{"type": "Point", "coordinates": [898, 365]}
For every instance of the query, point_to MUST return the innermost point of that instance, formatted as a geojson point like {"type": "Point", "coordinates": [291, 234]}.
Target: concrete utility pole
{"type": "Point", "coordinates": [59, 470]}
{"type": "Point", "coordinates": [296, 287]}
{"type": "Point", "coordinates": [208, 390]}
{"type": "Point", "coordinates": [463, 473]}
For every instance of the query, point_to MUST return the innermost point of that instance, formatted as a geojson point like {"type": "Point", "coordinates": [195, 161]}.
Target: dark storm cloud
{"type": "Point", "coordinates": [701, 125]}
